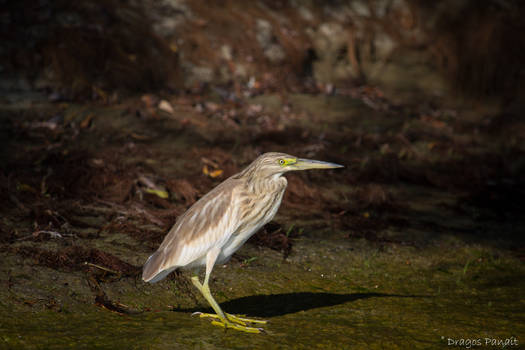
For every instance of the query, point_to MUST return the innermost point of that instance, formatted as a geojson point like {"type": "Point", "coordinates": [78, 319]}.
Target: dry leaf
{"type": "Point", "coordinates": [433, 122]}
{"type": "Point", "coordinates": [216, 173]}
{"type": "Point", "coordinates": [166, 107]}
{"type": "Point", "coordinates": [139, 136]}
{"type": "Point", "coordinates": [213, 173]}
{"type": "Point", "coordinates": [149, 100]}
{"type": "Point", "coordinates": [158, 193]}
{"type": "Point", "coordinates": [87, 121]}
{"type": "Point", "coordinates": [25, 188]}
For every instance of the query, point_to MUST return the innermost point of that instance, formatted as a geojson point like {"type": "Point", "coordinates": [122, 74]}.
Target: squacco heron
{"type": "Point", "coordinates": [219, 223]}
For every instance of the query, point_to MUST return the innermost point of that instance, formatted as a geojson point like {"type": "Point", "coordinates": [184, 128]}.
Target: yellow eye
{"type": "Point", "coordinates": [282, 162]}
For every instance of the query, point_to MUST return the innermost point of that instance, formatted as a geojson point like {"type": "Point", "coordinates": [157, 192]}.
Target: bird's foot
{"type": "Point", "coordinates": [227, 324]}
{"type": "Point", "coordinates": [234, 322]}
{"type": "Point", "coordinates": [235, 319]}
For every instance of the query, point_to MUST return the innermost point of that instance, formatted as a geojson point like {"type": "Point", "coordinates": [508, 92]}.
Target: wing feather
{"type": "Point", "coordinates": [208, 223]}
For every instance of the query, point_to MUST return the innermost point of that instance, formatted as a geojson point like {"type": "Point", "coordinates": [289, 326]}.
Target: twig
{"type": "Point", "coordinates": [102, 268]}
{"type": "Point", "coordinates": [35, 234]}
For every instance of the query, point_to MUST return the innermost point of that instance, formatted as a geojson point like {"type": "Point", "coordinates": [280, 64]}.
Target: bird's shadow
{"type": "Point", "coordinates": [288, 303]}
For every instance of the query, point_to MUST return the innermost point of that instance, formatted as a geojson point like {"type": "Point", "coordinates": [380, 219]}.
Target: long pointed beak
{"type": "Point", "coordinates": [305, 164]}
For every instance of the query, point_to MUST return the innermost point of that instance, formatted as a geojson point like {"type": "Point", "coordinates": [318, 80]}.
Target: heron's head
{"type": "Point", "coordinates": [274, 163]}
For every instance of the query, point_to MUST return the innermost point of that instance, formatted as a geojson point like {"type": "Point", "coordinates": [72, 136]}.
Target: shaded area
{"type": "Point", "coordinates": [476, 45]}
{"type": "Point", "coordinates": [86, 49]}
{"type": "Point", "coordinates": [288, 303]}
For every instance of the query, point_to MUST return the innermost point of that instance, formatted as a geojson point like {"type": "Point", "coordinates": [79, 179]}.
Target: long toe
{"type": "Point", "coordinates": [238, 327]}
{"type": "Point", "coordinates": [232, 318]}
{"type": "Point", "coordinates": [243, 320]}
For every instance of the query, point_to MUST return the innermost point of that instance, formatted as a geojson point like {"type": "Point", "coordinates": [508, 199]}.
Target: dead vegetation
{"type": "Point", "coordinates": [76, 258]}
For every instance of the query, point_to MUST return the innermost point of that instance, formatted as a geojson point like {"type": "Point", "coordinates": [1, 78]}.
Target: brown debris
{"type": "Point", "coordinates": [74, 258]}
{"type": "Point", "coordinates": [103, 301]}
{"type": "Point", "coordinates": [302, 196]}
{"type": "Point", "coordinates": [374, 196]}
{"type": "Point", "coordinates": [7, 234]}
{"type": "Point", "coordinates": [122, 225]}
{"type": "Point", "coordinates": [217, 158]}
{"type": "Point", "coordinates": [373, 237]}
{"type": "Point", "coordinates": [273, 236]}
{"type": "Point", "coordinates": [183, 189]}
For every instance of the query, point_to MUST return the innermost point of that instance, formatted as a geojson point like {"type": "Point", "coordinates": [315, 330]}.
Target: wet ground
{"type": "Point", "coordinates": [415, 244]}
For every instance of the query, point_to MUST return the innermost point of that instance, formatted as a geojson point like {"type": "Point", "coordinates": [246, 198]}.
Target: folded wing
{"type": "Point", "coordinates": [210, 222]}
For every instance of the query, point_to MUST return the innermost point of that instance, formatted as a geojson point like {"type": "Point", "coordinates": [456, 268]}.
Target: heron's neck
{"type": "Point", "coordinates": [267, 184]}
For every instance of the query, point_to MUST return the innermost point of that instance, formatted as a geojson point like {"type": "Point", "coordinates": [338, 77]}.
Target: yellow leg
{"type": "Point", "coordinates": [222, 319]}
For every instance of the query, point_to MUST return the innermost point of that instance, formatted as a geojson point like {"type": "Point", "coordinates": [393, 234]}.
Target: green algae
{"type": "Point", "coordinates": [325, 295]}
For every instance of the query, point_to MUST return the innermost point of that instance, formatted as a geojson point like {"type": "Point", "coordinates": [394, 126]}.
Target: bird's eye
{"type": "Point", "coordinates": [281, 161]}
